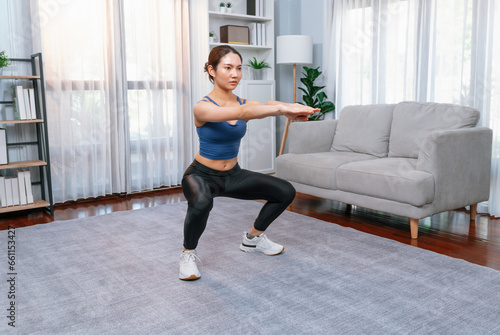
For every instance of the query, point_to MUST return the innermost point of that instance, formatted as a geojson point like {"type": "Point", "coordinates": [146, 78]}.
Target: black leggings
{"type": "Point", "coordinates": [202, 184]}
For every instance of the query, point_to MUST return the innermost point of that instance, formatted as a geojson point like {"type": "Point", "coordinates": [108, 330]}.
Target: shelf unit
{"type": "Point", "coordinates": [240, 47]}
{"type": "Point", "coordinates": [242, 17]}
{"type": "Point", "coordinates": [238, 17]}
{"type": "Point", "coordinates": [42, 162]}
{"type": "Point", "coordinates": [258, 147]}
{"type": "Point", "coordinates": [257, 151]}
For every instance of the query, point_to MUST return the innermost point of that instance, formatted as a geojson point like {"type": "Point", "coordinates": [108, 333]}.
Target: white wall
{"type": "Point", "coordinates": [16, 41]}
{"type": "Point", "coordinates": [4, 26]}
{"type": "Point", "coordinates": [297, 17]}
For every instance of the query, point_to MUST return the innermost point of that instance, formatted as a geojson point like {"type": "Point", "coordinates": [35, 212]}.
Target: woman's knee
{"type": "Point", "coordinates": [197, 193]}
{"type": "Point", "coordinates": [289, 192]}
{"type": "Point", "coordinates": [284, 190]}
{"type": "Point", "coordinates": [201, 203]}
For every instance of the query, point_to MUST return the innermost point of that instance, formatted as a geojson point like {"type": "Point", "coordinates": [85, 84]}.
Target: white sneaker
{"type": "Point", "coordinates": [187, 266]}
{"type": "Point", "coordinates": [262, 244]}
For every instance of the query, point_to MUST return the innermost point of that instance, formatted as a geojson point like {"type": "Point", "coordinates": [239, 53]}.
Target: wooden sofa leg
{"type": "Point", "coordinates": [414, 228]}
{"type": "Point", "coordinates": [473, 212]}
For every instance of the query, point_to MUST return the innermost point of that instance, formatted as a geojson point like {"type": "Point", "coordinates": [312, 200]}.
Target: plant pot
{"type": "Point", "coordinates": [229, 10]}
{"type": "Point", "coordinates": [210, 39]}
{"type": "Point", "coordinates": [257, 74]}
{"type": "Point", "coordinates": [223, 9]}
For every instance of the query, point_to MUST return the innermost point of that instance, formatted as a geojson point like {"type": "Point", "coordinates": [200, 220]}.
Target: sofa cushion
{"type": "Point", "coordinates": [315, 169]}
{"type": "Point", "coordinates": [388, 178]}
{"type": "Point", "coordinates": [413, 121]}
{"type": "Point", "coordinates": [364, 129]}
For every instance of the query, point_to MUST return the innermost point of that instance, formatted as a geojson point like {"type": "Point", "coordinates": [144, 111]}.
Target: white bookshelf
{"type": "Point", "coordinates": [238, 17]}
{"type": "Point", "coordinates": [259, 144]}
{"type": "Point", "coordinates": [258, 148]}
{"type": "Point", "coordinates": [241, 17]}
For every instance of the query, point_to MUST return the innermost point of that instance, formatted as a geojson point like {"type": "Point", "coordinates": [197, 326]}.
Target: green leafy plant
{"type": "Point", "coordinates": [255, 64]}
{"type": "Point", "coordinates": [313, 96]}
{"type": "Point", "coordinates": [222, 4]}
{"type": "Point", "coordinates": [229, 5]}
{"type": "Point", "coordinates": [4, 60]}
{"type": "Point", "coordinates": [210, 34]}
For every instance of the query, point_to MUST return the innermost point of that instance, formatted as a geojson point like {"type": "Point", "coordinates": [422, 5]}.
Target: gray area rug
{"type": "Point", "coordinates": [117, 274]}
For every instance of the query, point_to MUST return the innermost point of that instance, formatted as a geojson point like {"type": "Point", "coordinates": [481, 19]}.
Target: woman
{"type": "Point", "coordinates": [220, 119]}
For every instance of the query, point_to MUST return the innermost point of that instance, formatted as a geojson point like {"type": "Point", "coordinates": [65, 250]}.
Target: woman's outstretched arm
{"type": "Point", "coordinates": [208, 112]}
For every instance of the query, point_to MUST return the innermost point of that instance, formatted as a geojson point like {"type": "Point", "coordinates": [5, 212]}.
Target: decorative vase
{"type": "Point", "coordinates": [257, 74]}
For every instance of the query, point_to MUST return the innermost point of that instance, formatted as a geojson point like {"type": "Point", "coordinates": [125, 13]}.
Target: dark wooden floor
{"type": "Point", "coordinates": [448, 233]}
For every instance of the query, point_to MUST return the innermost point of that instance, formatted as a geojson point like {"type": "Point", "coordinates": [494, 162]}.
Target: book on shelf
{"type": "Point", "coordinates": [24, 103]}
{"type": "Point", "coordinates": [251, 6]}
{"type": "Point", "coordinates": [9, 200]}
{"type": "Point", "coordinates": [31, 92]}
{"type": "Point", "coordinates": [3, 195]}
{"type": "Point", "coordinates": [255, 7]}
{"type": "Point", "coordinates": [22, 188]}
{"type": "Point", "coordinates": [259, 33]}
{"type": "Point", "coordinates": [263, 32]}
{"type": "Point", "coordinates": [20, 102]}
{"type": "Point", "coordinates": [4, 159]}
{"type": "Point", "coordinates": [27, 184]}
{"type": "Point", "coordinates": [253, 33]}
{"type": "Point", "coordinates": [15, 191]}
{"type": "Point", "coordinates": [27, 104]}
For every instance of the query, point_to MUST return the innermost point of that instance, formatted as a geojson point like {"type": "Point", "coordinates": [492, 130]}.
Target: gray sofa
{"type": "Point", "coordinates": [410, 159]}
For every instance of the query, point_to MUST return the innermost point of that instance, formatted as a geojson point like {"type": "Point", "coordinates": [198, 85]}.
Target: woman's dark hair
{"type": "Point", "coordinates": [216, 55]}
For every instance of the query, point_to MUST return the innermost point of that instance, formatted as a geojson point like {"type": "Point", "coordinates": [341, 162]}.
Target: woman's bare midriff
{"type": "Point", "coordinates": [220, 165]}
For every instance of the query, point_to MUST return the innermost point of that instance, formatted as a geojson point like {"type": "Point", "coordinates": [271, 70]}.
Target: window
{"type": "Point", "coordinates": [112, 92]}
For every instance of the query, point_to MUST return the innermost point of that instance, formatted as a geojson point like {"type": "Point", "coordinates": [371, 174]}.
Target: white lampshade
{"type": "Point", "coordinates": [294, 49]}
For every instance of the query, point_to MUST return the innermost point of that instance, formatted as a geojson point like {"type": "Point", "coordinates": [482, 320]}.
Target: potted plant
{"type": "Point", "coordinates": [312, 95]}
{"type": "Point", "coordinates": [258, 67]}
{"type": "Point", "coordinates": [211, 37]}
{"type": "Point", "coordinates": [222, 7]}
{"type": "Point", "coordinates": [4, 60]}
{"type": "Point", "coordinates": [229, 7]}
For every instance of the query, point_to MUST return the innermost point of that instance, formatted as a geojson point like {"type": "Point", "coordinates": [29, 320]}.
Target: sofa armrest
{"type": "Point", "coordinates": [460, 161]}
{"type": "Point", "coordinates": [311, 136]}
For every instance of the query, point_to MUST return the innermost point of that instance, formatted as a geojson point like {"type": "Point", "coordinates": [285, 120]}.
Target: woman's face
{"type": "Point", "coordinates": [228, 74]}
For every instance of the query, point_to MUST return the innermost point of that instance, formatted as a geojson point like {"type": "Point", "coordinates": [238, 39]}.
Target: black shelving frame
{"type": "Point", "coordinates": [42, 141]}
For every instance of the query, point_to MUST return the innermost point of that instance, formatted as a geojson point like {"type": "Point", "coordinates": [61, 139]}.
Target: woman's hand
{"type": "Point", "coordinates": [298, 111]}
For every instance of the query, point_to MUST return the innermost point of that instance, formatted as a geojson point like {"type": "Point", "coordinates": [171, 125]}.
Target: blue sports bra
{"type": "Point", "coordinates": [221, 140]}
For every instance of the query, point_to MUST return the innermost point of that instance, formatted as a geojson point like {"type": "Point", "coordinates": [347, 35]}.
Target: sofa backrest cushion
{"type": "Point", "coordinates": [413, 121]}
{"type": "Point", "coordinates": [364, 129]}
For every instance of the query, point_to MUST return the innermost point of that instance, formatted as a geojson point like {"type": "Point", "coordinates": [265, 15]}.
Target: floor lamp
{"type": "Point", "coordinates": [293, 49]}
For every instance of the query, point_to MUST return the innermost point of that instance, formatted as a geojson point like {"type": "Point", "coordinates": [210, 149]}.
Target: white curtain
{"type": "Point", "coordinates": [121, 84]}
{"type": "Point", "coordinates": [387, 51]}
